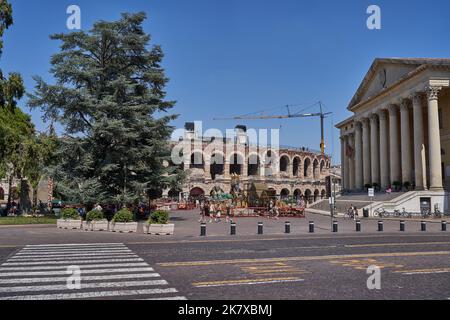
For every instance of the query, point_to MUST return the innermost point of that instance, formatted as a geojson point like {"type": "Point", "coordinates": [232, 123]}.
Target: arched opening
{"type": "Point", "coordinates": [323, 195]}
{"type": "Point", "coordinates": [306, 166]}
{"type": "Point", "coordinates": [296, 166]}
{"type": "Point", "coordinates": [316, 195]}
{"type": "Point", "coordinates": [270, 163]}
{"type": "Point", "coordinates": [322, 166]}
{"type": "Point", "coordinates": [217, 165]}
{"type": "Point", "coordinates": [253, 165]}
{"type": "Point", "coordinates": [284, 164]}
{"type": "Point", "coordinates": [308, 196]}
{"type": "Point", "coordinates": [297, 194]}
{"type": "Point", "coordinates": [284, 195]}
{"type": "Point", "coordinates": [2, 194]}
{"type": "Point", "coordinates": [174, 193]}
{"type": "Point", "coordinates": [196, 193]}
{"type": "Point", "coordinates": [316, 169]}
{"type": "Point", "coordinates": [197, 161]}
{"type": "Point", "coordinates": [236, 163]}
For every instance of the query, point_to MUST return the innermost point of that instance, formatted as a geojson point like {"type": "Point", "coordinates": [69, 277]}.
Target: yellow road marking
{"type": "Point", "coordinates": [304, 258]}
{"type": "Point", "coordinates": [246, 281]}
{"type": "Point", "coordinates": [393, 244]}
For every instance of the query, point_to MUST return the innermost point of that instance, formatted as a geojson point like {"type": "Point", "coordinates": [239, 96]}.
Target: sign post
{"type": "Point", "coordinates": [371, 196]}
{"type": "Point", "coordinates": [331, 201]}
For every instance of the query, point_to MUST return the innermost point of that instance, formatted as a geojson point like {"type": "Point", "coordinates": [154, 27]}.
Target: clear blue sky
{"type": "Point", "coordinates": [230, 57]}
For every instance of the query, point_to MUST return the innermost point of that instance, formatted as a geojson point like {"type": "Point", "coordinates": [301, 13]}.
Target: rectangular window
{"type": "Point", "coordinates": [440, 119]}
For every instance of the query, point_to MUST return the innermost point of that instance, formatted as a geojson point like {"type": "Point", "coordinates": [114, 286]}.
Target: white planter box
{"type": "Point", "coordinates": [101, 225]}
{"type": "Point", "coordinates": [124, 227]}
{"type": "Point", "coordinates": [160, 229]}
{"type": "Point", "coordinates": [69, 224]}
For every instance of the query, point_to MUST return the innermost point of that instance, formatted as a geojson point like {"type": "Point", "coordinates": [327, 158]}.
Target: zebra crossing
{"type": "Point", "coordinates": [106, 270]}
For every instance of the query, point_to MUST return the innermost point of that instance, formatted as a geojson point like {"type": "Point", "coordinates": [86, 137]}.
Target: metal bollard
{"type": "Point", "coordinates": [402, 226]}
{"type": "Point", "coordinates": [358, 226]}
{"type": "Point", "coordinates": [311, 227]}
{"type": "Point", "coordinates": [444, 226]}
{"type": "Point", "coordinates": [233, 228]}
{"type": "Point", "coordinates": [380, 226]}
{"type": "Point", "coordinates": [335, 226]}
{"type": "Point", "coordinates": [260, 228]}
{"type": "Point", "coordinates": [287, 227]}
{"type": "Point", "coordinates": [203, 230]}
{"type": "Point", "coordinates": [423, 226]}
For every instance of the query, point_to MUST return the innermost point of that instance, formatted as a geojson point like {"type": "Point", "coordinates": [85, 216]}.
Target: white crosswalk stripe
{"type": "Point", "coordinates": [109, 270]}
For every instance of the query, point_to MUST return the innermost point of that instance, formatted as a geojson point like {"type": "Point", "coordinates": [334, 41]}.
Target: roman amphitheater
{"type": "Point", "coordinates": [297, 172]}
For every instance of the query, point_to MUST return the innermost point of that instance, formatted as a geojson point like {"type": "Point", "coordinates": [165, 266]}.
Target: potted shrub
{"type": "Point", "coordinates": [158, 223]}
{"type": "Point", "coordinates": [123, 221]}
{"type": "Point", "coordinates": [70, 219]}
{"type": "Point", "coordinates": [377, 187]}
{"type": "Point", "coordinates": [95, 221]}
{"type": "Point", "coordinates": [407, 185]}
{"type": "Point", "coordinates": [397, 185]}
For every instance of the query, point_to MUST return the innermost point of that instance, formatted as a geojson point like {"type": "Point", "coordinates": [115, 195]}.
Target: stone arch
{"type": "Point", "coordinates": [253, 164]}
{"type": "Point", "coordinates": [174, 193]}
{"type": "Point", "coordinates": [217, 166]}
{"type": "Point", "coordinates": [284, 193]}
{"type": "Point", "coordinates": [306, 167]}
{"type": "Point", "coordinates": [270, 159]}
{"type": "Point", "coordinates": [316, 169]}
{"type": "Point", "coordinates": [197, 160]}
{"type": "Point", "coordinates": [316, 195]}
{"type": "Point", "coordinates": [284, 163]}
{"type": "Point", "coordinates": [196, 192]}
{"type": "Point", "coordinates": [236, 163]}
{"type": "Point", "coordinates": [308, 196]}
{"type": "Point", "coordinates": [296, 166]}
{"type": "Point", "coordinates": [297, 194]}
{"type": "Point", "coordinates": [322, 166]}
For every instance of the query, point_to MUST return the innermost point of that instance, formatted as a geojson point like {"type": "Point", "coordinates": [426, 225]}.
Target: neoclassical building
{"type": "Point", "coordinates": [210, 164]}
{"type": "Point", "coordinates": [400, 129]}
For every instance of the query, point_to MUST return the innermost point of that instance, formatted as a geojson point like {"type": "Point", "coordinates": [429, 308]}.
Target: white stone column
{"type": "Point", "coordinates": [366, 152]}
{"type": "Point", "coordinates": [374, 149]}
{"type": "Point", "coordinates": [406, 142]}
{"type": "Point", "coordinates": [346, 164]}
{"type": "Point", "coordinates": [343, 162]}
{"type": "Point", "coordinates": [351, 163]}
{"type": "Point", "coordinates": [394, 145]}
{"type": "Point", "coordinates": [419, 144]}
{"type": "Point", "coordinates": [359, 184]}
{"type": "Point", "coordinates": [384, 150]}
{"type": "Point", "coordinates": [434, 137]}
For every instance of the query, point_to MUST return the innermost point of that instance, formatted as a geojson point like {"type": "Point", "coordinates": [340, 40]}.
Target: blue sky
{"type": "Point", "coordinates": [230, 57]}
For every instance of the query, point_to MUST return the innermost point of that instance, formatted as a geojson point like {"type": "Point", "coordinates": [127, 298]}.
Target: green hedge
{"type": "Point", "coordinates": [159, 217]}
{"type": "Point", "coordinates": [94, 215]}
{"type": "Point", "coordinates": [123, 215]}
{"type": "Point", "coordinates": [70, 214]}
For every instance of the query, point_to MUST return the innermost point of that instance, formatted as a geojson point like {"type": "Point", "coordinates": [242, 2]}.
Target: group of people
{"type": "Point", "coordinates": [213, 210]}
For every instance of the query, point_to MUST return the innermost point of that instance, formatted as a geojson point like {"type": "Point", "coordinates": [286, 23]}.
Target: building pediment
{"type": "Point", "coordinates": [384, 73]}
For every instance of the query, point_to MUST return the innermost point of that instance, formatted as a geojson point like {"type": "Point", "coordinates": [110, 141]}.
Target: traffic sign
{"type": "Point", "coordinates": [371, 192]}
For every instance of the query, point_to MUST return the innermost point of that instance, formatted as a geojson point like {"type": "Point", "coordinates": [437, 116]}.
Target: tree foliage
{"type": "Point", "coordinates": [109, 88]}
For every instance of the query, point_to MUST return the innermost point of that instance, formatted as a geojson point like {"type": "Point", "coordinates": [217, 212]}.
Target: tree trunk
{"type": "Point", "coordinates": [10, 181]}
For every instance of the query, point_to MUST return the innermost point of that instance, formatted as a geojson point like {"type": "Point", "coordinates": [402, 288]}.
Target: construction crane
{"type": "Point", "coordinates": [289, 115]}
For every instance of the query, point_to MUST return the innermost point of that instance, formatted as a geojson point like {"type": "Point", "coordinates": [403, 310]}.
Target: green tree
{"type": "Point", "coordinates": [16, 128]}
{"type": "Point", "coordinates": [109, 90]}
